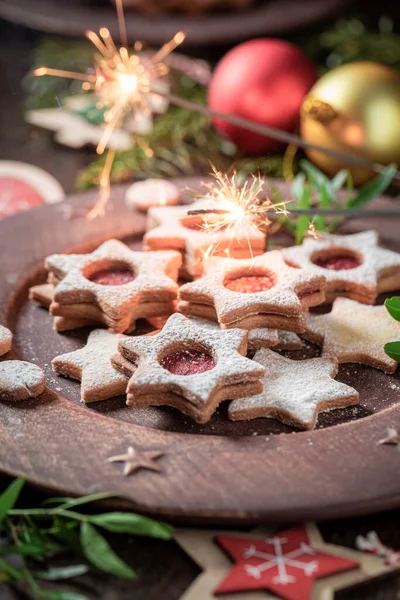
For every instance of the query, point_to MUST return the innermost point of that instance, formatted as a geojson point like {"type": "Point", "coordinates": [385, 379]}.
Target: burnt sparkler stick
{"type": "Point", "coordinates": [277, 134]}
{"type": "Point", "coordinates": [314, 212]}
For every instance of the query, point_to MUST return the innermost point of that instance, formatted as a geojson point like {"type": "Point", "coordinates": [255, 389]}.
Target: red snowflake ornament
{"type": "Point", "coordinates": [285, 564]}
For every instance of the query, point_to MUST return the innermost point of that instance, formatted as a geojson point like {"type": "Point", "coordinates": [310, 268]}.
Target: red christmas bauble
{"type": "Point", "coordinates": [264, 81]}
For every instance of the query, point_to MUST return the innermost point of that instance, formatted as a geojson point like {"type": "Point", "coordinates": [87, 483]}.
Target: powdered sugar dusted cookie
{"type": "Point", "coordinates": [143, 195]}
{"type": "Point", "coordinates": [43, 293]}
{"type": "Point", "coordinates": [288, 341]}
{"type": "Point", "coordinates": [255, 293]}
{"type": "Point", "coordinates": [354, 332]}
{"type": "Point", "coordinates": [354, 265]}
{"type": "Point", "coordinates": [112, 282]}
{"type": "Point", "coordinates": [20, 380]}
{"type": "Point", "coordinates": [190, 368]}
{"type": "Point", "coordinates": [199, 235]}
{"type": "Point", "coordinates": [5, 340]}
{"type": "Point", "coordinates": [257, 338]}
{"type": "Point", "coordinates": [92, 366]}
{"type": "Point", "coordinates": [295, 391]}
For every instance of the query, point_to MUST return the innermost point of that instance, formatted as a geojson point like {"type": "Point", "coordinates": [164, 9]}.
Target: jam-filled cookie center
{"type": "Point", "coordinates": [337, 259]}
{"type": "Point", "coordinates": [251, 282]}
{"type": "Point", "coordinates": [189, 361]}
{"type": "Point", "coordinates": [114, 274]}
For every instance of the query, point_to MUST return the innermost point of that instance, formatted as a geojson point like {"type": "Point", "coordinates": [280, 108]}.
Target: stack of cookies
{"type": "Point", "coordinates": [113, 286]}
{"type": "Point", "coordinates": [251, 294]}
{"type": "Point", "coordinates": [199, 358]}
{"type": "Point", "coordinates": [196, 234]}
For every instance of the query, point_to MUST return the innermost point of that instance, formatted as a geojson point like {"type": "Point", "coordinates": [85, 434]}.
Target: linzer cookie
{"type": "Point", "coordinates": [295, 391]}
{"type": "Point", "coordinates": [190, 368]}
{"type": "Point", "coordinates": [5, 340]}
{"type": "Point", "coordinates": [143, 195]}
{"type": "Point", "coordinates": [92, 366]}
{"type": "Point", "coordinates": [44, 294]}
{"type": "Point", "coordinates": [354, 332]}
{"type": "Point", "coordinates": [20, 380]}
{"type": "Point", "coordinates": [114, 285]}
{"type": "Point", "coordinates": [199, 235]}
{"type": "Point", "coordinates": [249, 294]}
{"type": "Point", "coordinates": [262, 337]}
{"type": "Point", "coordinates": [354, 265]}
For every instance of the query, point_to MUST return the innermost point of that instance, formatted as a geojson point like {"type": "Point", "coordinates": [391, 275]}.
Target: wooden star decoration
{"type": "Point", "coordinates": [392, 438]}
{"type": "Point", "coordinates": [137, 458]}
{"type": "Point", "coordinates": [200, 545]}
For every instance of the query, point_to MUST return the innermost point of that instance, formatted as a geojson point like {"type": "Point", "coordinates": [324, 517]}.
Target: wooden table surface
{"type": "Point", "coordinates": [164, 571]}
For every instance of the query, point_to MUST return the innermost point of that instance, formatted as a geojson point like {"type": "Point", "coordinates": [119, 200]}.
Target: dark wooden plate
{"type": "Point", "coordinates": [272, 17]}
{"type": "Point", "coordinates": [222, 471]}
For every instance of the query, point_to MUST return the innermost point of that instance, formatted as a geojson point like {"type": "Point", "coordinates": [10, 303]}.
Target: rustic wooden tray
{"type": "Point", "coordinates": [222, 471]}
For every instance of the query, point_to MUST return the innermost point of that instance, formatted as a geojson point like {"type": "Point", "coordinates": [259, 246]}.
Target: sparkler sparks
{"type": "Point", "coordinates": [237, 209]}
{"type": "Point", "coordinates": [126, 86]}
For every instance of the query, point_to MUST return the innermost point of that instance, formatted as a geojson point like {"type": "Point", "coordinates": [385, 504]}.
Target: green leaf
{"type": "Point", "coordinates": [374, 188]}
{"type": "Point", "coordinates": [302, 226]}
{"type": "Point", "coordinates": [10, 496]}
{"type": "Point", "coordinates": [55, 573]}
{"type": "Point", "coordinates": [70, 502]}
{"type": "Point", "coordinates": [340, 178]}
{"type": "Point", "coordinates": [98, 551]}
{"type": "Point", "coordinates": [392, 349]}
{"type": "Point", "coordinates": [393, 307]}
{"type": "Point", "coordinates": [60, 595]}
{"type": "Point", "coordinates": [32, 550]}
{"type": "Point", "coordinates": [298, 186]}
{"type": "Point", "coordinates": [317, 177]}
{"type": "Point", "coordinates": [11, 571]}
{"type": "Point", "coordinates": [66, 533]}
{"type": "Point", "coordinates": [121, 522]}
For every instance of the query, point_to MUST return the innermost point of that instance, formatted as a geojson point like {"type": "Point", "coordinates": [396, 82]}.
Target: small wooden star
{"type": "Point", "coordinates": [392, 438]}
{"type": "Point", "coordinates": [136, 459]}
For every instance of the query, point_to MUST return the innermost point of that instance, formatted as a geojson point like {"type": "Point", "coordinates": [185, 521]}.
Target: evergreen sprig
{"type": "Point", "coordinates": [30, 537]}
{"type": "Point", "coordinates": [312, 189]}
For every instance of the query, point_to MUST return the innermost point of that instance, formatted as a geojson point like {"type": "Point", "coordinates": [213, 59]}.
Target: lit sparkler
{"type": "Point", "coordinates": [237, 209]}
{"type": "Point", "coordinates": [126, 85]}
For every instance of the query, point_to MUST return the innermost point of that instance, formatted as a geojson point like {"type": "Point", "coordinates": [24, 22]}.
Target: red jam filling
{"type": "Point", "coordinates": [250, 284]}
{"type": "Point", "coordinates": [188, 362]}
{"type": "Point", "coordinates": [112, 276]}
{"type": "Point", "coordinates": [338, 263]}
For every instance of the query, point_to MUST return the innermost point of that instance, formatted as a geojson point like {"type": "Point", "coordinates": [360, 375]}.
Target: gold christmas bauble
{"type": "Point", "coordinates": [354, 109]}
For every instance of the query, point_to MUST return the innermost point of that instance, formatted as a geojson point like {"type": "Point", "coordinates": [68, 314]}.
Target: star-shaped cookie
{"type": "Point", "coordinates": [262, 337]}
{"type": "Point", "coordinates": [115, 280]}
{"type": "Point", "coordinates": [190, 368]}
{"type": "Point", "coordinates": [175, 228]}
{"type": "Point", "coordinates": [258, 292]}
{"type": "Point", "coordinates": [354, 265]}
{"type": "Point", "coordinates": [295, 391]}
{"type": "Point", "coordinates": [92, 366]}
{"type": "Point", "coordinates": [354, 332]}
{"type": "Point", "coordinates": [5, 340]}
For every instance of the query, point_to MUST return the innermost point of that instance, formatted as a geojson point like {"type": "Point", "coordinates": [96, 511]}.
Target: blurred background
{"type": "Point", "coordinates": [51, 32]}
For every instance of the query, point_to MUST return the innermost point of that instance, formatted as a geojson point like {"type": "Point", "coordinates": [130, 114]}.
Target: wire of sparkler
{"type": "Point", "coordinates": [323, 212]}
{"type": "Point", "coordinates": [104, 185]}
{"type": "Point", "coordinates": [121, 22]}
{"type": "Point", "coordinates": [278, 134]}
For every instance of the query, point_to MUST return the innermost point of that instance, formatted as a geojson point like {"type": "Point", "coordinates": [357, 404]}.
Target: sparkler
{"type": "Point", "coordinates": [236, 209]}
{"type": "Point", "coordinates": [126, 84]}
